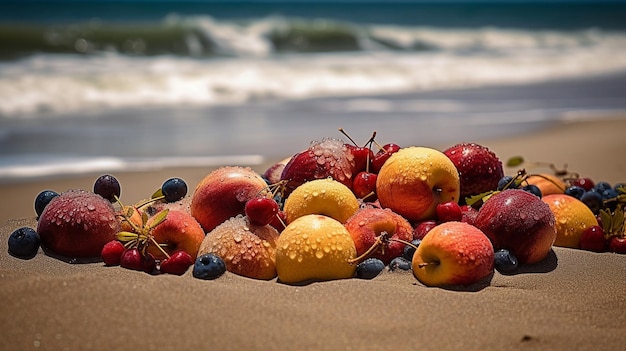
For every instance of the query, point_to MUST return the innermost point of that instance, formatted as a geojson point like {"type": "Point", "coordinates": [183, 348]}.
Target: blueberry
{"type": "Point", "coordinates": [174, 189]}
{"type": "Point", "coordinates": [369, 268]}
{"type": "Point", "coordinates": [602, 186]}
{"type": "Point", "coordinates": [505, 261]}
{"type": "Point", "coordinates": [409, 250]}
{"type": "Point", "coordinates": [108, 187]}
{"type": "Point", "coordinates": [209, 266]}
{"type": "Point", "coordinates": [400, 263]}
{"type": "Point", "coordinates": [502, 183]}
{"type": "Point", "coordinates": [575, 191]}
{"type": "Point", "coordinates": [24, 243]}
{"type": "Point", "coordinates": [593, 200]}
{"type": "Point", "coordinates": [43, 199]}
{"type": "Point", "coordinates": [533, 189]}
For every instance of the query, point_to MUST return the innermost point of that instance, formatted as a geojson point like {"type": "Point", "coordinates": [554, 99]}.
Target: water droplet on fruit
{"type": "Point", "coordinates": [91, 207]}
{"type": "Point", "coordinates": [300, 258]}
{"type": "Point", "coordinates": [292, 255]}
{"type": "Point", "coordinates": [319, 254]}
{"type": "Point", "coordinates": [327, 249]}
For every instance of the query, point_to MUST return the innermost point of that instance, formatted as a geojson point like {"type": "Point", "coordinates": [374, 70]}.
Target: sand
{"type": "Point", "coordinates": [573, 300]}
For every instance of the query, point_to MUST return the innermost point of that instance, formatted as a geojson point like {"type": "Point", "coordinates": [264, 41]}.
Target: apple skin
{"type": "Point", "coordinates": [77, 224]}
{"type": "Point", "coordinates": [414, 180]}
{"type": "Point", "coordinates": [314, 248]}
{"type": "Point", "coordinates": [247, 250]}
{"type": "Point", "coordinates": [479, 168]}
{"type": "Point", "coordinates": [321, 196]}
{"type": "Point", "coordinates": [453, 253]}
{"type": "Point", "coordinates": [366, 226]}
{"type": "Point", "coordinates": [223, 194]}
{"type": "Point", "coordinates": [179, 231]}
{"type": "Point", "coordinates": [519, 221]}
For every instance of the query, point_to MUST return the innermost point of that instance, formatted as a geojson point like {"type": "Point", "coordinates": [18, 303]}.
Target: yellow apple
{"type": "Point", "coordinates": [321, 196]}
{"type": "Point", "coordinates": [414, 180]}
{"type": "Point", "coordinates": [572, 218]}
{"type": "Point", "coordinates": [314, 247]}
{"type": "Point", "coordinates": [453, 253]}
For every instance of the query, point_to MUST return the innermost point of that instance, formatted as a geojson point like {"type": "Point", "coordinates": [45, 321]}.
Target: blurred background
{"type": "Point", "coordinates": [106, 85]}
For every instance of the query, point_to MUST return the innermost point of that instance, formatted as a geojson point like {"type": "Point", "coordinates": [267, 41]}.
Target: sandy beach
{"type": "Point", "coordinates": [573, 300]}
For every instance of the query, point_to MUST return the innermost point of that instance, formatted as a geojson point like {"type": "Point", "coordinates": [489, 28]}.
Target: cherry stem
{"type": "Point", "coordinates": [347, 136]}
{"type": "Point", "coordinates": [158, 246]}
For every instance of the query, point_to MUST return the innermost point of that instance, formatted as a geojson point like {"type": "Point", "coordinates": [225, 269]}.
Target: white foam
{"type": "Point", "coordinates": [28, 168]}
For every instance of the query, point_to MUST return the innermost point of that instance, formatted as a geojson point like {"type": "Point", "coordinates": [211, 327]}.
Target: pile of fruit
{"type": "Point", "coordinates": [338, 210]}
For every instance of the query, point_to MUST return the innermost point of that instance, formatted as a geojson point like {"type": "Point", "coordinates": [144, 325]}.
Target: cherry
{"type": "Point", "coordinates": [617, 244]}
{"type": "Point", "coordinates": [278, 222]}
{"type": "Point", "coordinates": [423, 227]}
{"type": "Point", "coordinates": [133, 259]}
{"type": "Point", "coordinates": [383, 155]}
{"type": "Point", "coordinates": [468, 214]}
{"type": "Point", "coordinates": [177, 263]}
{"type": "Point", "coordinates": [592, 239]}
{"type": "Point", "coordinates": [449, 212]}
{"type": "Point", "coordinates": [362, 156]}
{"type": "Point", "coordinates": [584, 182]}
{"type": "Point", "coordinates": [364, 184]}
{"type": "Point", "coordinates": [112, 253]}
{"type": "Point", "coordinates": [261, 210]}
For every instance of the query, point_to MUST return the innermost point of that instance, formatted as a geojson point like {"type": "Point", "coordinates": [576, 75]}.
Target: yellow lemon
{"type": "Point", "coordinates": [572, 217]}
{"type": "Point", "coordinates": [314, 247]}
{"type": "Point", "coordinates": [322, 196]}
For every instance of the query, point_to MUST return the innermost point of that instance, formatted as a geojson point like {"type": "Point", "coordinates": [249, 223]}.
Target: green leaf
{"type": "Point", "coordinates": [126, 236]}
{"type": "Point", "coordinates": [480, 198]}
{"type": "Point", "coordinates": [607, 220]}
{"type": "Point", "coordinates": [159, 218]}
{"type": "Point", "coordinates": [515, 161]}
{"type": "Point", "coordinates": [158, 193]}
{"type": "Point", "coordinates": [618, 221]}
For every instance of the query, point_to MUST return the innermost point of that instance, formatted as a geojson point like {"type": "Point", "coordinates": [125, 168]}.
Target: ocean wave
{"type": "Point", "coordinates": [199, 61]}
{"type": "Point", "coordinates": [204, 36]}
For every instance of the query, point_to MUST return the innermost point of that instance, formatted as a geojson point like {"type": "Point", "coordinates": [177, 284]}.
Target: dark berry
{"type": "Point", "coordinates": [108, 187]}
{"type": "Point", "coordinates": [400, 263]}
{"type": "Point", "coordinates": [593, 200]}
{"type": "Point", "coordinates": [174, 189]}
{"type": "Point", "coordinates": [575, 191]}
{"type": "Point", "coordinates": [409, 250]}
{"type": "Point", "coordinates": [585, 183]}
{"type": "Point", "coordinates": [533, 189]}
{"type": "Point", "coordinates": [369, 268]}
{"type": "Point", "coordinates": [209, 266]}
{"type": "Point", "coordinates": [24, 243]}
{"type": "Point", "coordinates": [505, 261]}
{"type": "Point", "coordinates": [504, 181]}
{"type": "Point", "coordinates": [602, 186]}
{"type": "Point", "coordinates": [43, 199]}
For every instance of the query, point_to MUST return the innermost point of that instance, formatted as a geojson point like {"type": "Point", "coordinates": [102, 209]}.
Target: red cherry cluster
{"type": "Point", "coordinates": [265, 209]}
{"type": "Point", "coordinates": [130, 250]}
{"type": "Point", "coordinates": [367, 165]}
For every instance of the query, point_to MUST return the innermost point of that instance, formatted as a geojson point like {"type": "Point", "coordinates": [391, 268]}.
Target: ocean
{"type": "Point", "coordinates": [105, 86]}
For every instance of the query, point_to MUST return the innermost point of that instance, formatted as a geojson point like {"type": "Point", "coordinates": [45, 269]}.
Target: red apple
{"type": "Point", "coordinates": [479, 168]}
{"type": "Point", "coordinates": [77, 223]}
{"type": "Point", "coordinates": [328, 158]}
{"type": "Point", "coordinates": [223, 194]}
{"type": "Point", "coordinates": [453, 253]}
{"type": "Point", "coordinates": [368, 224]}
{"type": "Point", "coordinates": [415, 180]}
{"type": "Point", "coordinates": [520, 222]}
{"type": "Point", "coordinates": [468, 214]}
{"type": "Point", "coordinates": [179, 232]}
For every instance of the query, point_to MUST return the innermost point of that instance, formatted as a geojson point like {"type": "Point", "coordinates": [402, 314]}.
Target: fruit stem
{"type": "Point", "coordinates": [382, 238]}
{"type": "Point", "coordinates": [158, 246]}
{"type": "Point", "coordinates": [347, 136]}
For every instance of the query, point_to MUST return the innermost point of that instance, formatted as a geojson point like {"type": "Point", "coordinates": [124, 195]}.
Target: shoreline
{"type": "Point", "coordinates": [591, 147]}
